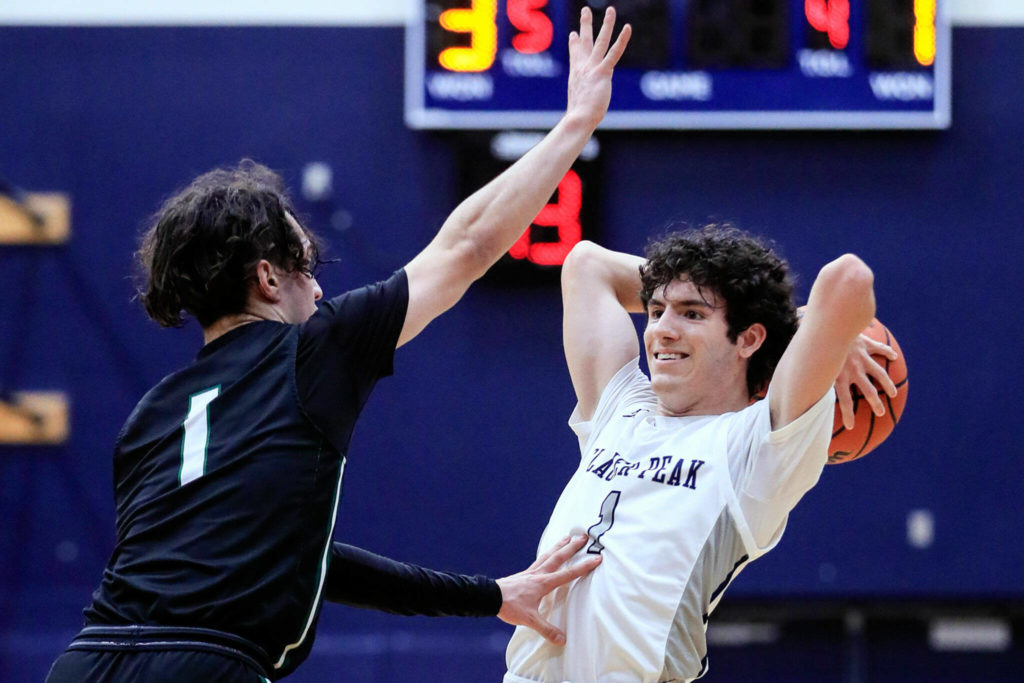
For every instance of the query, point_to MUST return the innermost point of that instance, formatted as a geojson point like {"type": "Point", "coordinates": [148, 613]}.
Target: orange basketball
{"type": "Point", "coordinates": [870, 430]}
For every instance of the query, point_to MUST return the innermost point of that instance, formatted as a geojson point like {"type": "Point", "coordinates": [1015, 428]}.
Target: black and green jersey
{"type": "Point", "coordinates": [227, 479]}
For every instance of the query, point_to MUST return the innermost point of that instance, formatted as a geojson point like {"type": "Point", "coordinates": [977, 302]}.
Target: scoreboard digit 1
{"type": "Point", "coordinates": [494, 64]}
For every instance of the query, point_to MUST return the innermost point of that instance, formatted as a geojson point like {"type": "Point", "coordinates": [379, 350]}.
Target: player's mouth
{"type": "Point", "coordinates": [660, 355]}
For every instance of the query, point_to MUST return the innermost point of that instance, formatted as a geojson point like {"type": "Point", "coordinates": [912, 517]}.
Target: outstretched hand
{"type": "Point", "coordinates": [521, 593]}
{"type": "Point", "coordinates": [591, 63]}
{"type": "Point", "coordinates": [858, 370]}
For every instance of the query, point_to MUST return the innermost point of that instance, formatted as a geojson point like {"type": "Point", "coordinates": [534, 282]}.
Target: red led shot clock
{"type": "Point", "coordinates": [570, 215]}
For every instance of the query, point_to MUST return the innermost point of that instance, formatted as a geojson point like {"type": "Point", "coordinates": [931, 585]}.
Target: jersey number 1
{"type": "Point", "coordinates": [197, 435]}
{"type": "Point", "coordinates": [604, 524]}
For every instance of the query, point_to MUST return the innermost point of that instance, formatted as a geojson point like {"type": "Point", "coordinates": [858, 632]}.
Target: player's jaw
{"type": "Point", "coordinates": [705, 381]}
{"type": "Point", "coordinates": [299, 294]}
{"type": "Point", "coordinates": [673, 380]}
{"type": "Point", "coordinates": [695, 368]}
{"type": "Point", "coordinates": [302, 290]}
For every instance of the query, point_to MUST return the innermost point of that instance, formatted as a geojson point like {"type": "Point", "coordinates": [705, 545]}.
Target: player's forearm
{"type": "Point", "coordinates": [599, 289]}
{"type": "Point", "coordinates": [842, 297]}
{"type": "Point", "coordinates": [359, 578]}
{"type": "Point", "coordinates": [840, 305]}
{"type": "Point", "coordinates": [590, 268]}
{"type": "Point", "coordinates": [488, 223]}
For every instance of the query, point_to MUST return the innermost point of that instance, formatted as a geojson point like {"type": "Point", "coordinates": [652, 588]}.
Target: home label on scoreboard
{"type": "Point", "coordinates": [754, 64]}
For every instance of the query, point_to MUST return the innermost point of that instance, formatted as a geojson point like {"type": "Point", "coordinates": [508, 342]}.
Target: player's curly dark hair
{"type": "Point", "coordinates": [740, 269]}
{"type": "Point", "coordinates": [201, 249]}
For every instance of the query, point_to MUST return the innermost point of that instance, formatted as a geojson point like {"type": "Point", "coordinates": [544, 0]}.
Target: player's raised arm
{"type": "Point", "coordinates": [487, 223]}
{"type": "Point", "coordinates": [841, 304]}
{"type": "Point", "coordinates": [600, 288]}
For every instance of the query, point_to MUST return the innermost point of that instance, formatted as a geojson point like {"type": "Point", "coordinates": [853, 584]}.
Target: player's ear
{"type": "Point", "coordinates": [266, 281]}
{"type": "Point", "coordinates": [750, 340]}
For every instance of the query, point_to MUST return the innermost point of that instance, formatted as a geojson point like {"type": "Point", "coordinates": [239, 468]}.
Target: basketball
{"type": "Point", "coordinates": [870, 430]}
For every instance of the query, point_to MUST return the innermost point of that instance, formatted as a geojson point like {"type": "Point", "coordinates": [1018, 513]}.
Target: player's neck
{"type": "Point", "coordinates": [222, 326]}
{"type": "Point", "coordinates": [718, 404]}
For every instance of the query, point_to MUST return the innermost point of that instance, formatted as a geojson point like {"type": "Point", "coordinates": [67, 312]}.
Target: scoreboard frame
{"type": "Point", "coordinates": [821, 83]}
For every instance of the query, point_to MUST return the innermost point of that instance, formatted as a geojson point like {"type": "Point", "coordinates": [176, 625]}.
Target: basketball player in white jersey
{"type": "Point", "coordinates": [685, 478]}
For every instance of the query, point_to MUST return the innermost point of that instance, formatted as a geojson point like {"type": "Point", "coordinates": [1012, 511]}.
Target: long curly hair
{"type": "Point", "coordinates": [201, 248]}
{"type": "Point", "coordinates": [740, 269]}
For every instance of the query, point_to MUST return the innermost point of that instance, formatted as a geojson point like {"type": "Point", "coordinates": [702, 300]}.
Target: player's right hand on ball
{"type": "Point", "coordinates": [858, 371]}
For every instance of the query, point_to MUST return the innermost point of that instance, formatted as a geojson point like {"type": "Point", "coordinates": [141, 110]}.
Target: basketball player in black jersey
{"type": "Point", "coordinates": [228, 473]}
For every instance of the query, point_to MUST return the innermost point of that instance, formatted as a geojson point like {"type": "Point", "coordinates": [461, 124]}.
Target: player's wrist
{"type": "Point", "coordinates": [580, 121]}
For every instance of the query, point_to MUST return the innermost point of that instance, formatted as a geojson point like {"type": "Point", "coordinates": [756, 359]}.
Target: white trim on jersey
{"type": "Point", "coordinates": [323, 573]}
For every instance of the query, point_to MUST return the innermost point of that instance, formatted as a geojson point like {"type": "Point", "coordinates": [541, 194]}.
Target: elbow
{"type": "Point", "coordinates": [577, 261]}
{"type": "Point", "coordinates": [856, 277]}
{"type": "Point", "coordinates": [853, 272]}
{"type": "Point", "coordinates": [854, 283]}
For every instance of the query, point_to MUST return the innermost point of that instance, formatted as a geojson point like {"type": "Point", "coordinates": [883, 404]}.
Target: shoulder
{"type": "Point", "coordinates": [755, 419]}
{"type": "Point", "coordinates": [810, 420]}
{"type": "Point", "coordinates": [629, 389]}
{"type": "Point", "coordinates": [222, 362]}
{"type": "Point", "coordinates": [393, 291]}
{"type": "Point", "coordinates": [627, 395]}
{"type": "Point", "coordinates": [749, 424]}
{"type": "Point", "coordinates": [760, 454]}
{"type": "Point", "coordinates": [371, 310]}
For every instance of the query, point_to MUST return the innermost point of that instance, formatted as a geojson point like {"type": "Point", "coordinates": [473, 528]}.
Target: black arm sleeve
{"type": "Point", "coordinates": [359, 578]}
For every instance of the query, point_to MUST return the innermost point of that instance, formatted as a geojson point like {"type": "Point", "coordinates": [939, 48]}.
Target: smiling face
{"type": "Point", "coordinates": [695, 368]}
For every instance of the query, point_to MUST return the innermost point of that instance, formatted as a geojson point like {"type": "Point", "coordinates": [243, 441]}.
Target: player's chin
{"type": "Point", "coordinates": [664, 384]}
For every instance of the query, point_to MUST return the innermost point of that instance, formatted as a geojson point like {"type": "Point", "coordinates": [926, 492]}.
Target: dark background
{"type": "Point", "coordinates": [460, 456]}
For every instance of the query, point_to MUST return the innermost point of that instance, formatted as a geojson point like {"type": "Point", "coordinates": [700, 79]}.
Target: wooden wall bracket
{"type": "Point", "coordinates": [17, 225]}
{"type": "Point", "coordinates": [34, 417]}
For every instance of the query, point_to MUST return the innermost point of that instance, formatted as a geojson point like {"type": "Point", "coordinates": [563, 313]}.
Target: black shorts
{"type": "Point", "coordinates": [171, 655]}
{"type": "Point", "coordinates": [96, 666]}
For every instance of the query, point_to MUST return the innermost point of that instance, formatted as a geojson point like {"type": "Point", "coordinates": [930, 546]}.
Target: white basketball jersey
{"type": "Point", "coordinates": [651, 492]}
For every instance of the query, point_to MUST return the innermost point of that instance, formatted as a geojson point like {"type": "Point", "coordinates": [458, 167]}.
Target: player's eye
{"type": "Point", "coordinates": [316, 266]}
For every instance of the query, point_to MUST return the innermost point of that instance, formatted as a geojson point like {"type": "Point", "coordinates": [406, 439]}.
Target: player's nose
{"type": "Point", "coordinates": [666, 326]}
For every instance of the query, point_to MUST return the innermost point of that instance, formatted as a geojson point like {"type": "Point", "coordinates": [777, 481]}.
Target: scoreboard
{"type": "Point", "coordinates": [690, 64]}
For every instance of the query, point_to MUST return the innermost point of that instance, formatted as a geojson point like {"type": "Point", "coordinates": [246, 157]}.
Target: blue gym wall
{"type": "Point", "coordinates": [460, 456]}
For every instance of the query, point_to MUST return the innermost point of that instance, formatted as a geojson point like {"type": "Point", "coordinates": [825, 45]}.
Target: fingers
{"type": "Point", "coordinates": [873, 370]}
{"type": "Point", "coordinates": [557, 556]}
{"type": "Point", "coordinates": [605, 35]}
{"type": "Point", "coordinates": [615, 53]}
{"type": "Point", "coordinates": [522, 593]}
{"type": "Point", "coordinates": [882, 378]}
{"type": "Point", "coordinates": [548, 630]}
{"type": "Point", "coordinates": [586, 30]}
{"type": "Point", "coordinates": [845, 398]}
{"type": "Point", "coordinates": [876, 348]}
{"type": "Point", "coordinates": [567, 574]}
{"type": "Point", "coordinates": [870, 392]}
{"type": "Point", "coordinates": [599, 47]}
{"type": "Point", "coordinates": [559, 549]}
